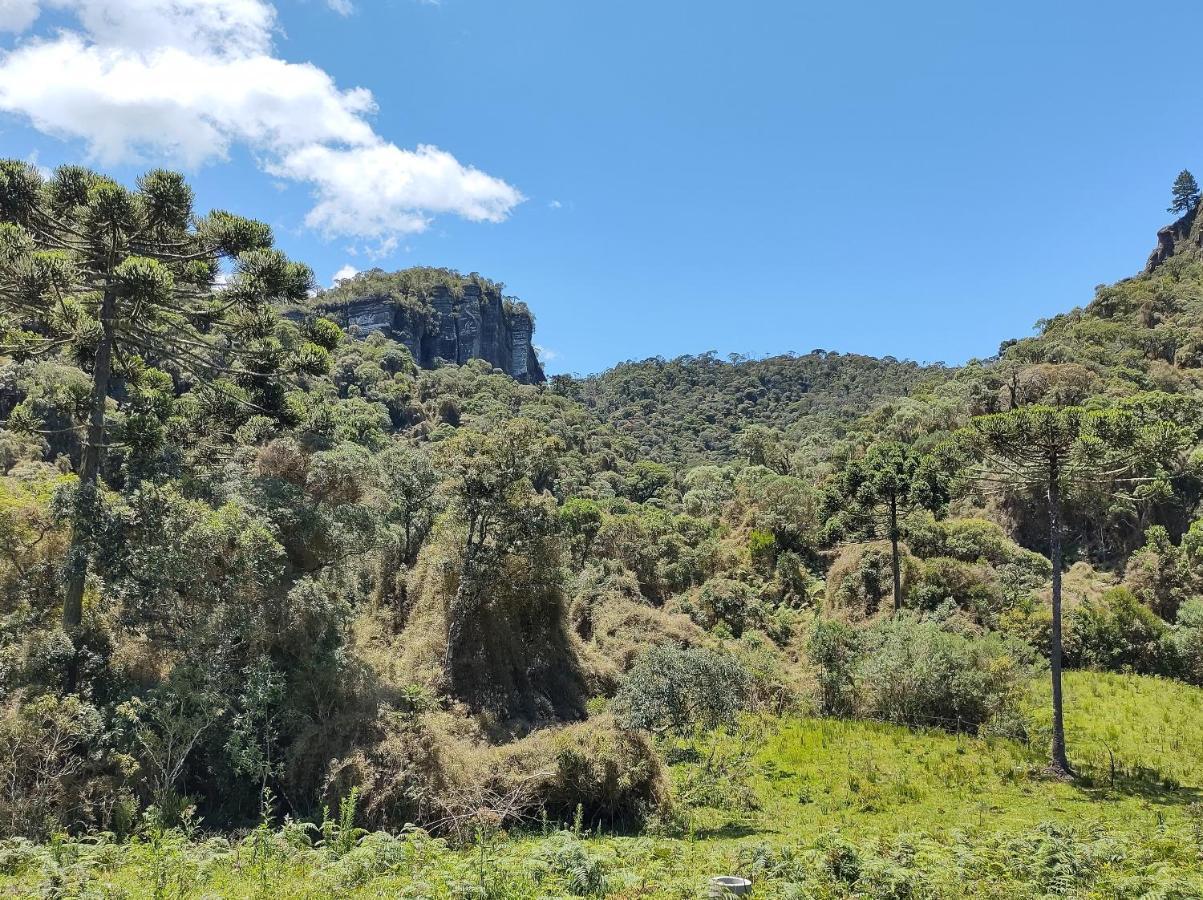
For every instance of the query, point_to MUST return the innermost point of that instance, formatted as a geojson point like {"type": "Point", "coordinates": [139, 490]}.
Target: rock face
{"type": "Point", "coordinates": [1176, 237]}
{"type": "Point", "coordinates": [473, 324]}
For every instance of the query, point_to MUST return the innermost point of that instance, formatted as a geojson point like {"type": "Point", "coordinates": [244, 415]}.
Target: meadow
{"type": "Point", "coordinates": [805, 807]}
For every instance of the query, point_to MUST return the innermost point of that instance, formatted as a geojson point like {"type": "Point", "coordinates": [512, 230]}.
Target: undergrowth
{"type": "Point", "coordinates": [805, 807]}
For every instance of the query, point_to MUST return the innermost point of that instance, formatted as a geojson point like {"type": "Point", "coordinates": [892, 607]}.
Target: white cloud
{"type": "Point", "coordinates": [174, 103]}
{"type": "Point", "coordinates": [347, 271]}
{"type": "Point", "coordinates": [555, 204]}
{"type": "Point", "coordinates": [545, 354]}
{"type": "Point", "coordinates": [188, 79]}
{"type": "Point", "coordinates": [225, 27]}
{"type": "Point", "coordinates": [17, 15]}
{"type": "Point", "coordinates": [342, 7]}
{"type": "Point", "coordinates": [378, 189]}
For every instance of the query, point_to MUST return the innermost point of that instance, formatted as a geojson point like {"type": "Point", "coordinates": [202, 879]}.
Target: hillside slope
{"type": "Point", "coordinates": [693, 407]}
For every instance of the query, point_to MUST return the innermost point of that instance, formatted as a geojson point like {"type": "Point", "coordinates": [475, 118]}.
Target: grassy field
{"type": "Point", "coordinates": [804, 807]}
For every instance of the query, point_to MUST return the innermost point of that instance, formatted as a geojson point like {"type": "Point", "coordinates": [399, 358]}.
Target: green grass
{"type": "Point", "coordinates": [806, 807]}
{"type": "Point", "coordinates": [1152, 728]}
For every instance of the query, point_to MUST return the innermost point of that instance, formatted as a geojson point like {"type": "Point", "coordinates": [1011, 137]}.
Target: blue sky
{"type": "Point", "coordinates": [654, 178]}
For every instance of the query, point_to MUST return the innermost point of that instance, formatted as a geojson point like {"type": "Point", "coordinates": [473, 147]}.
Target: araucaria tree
{"type": "Point", "coordinates": [1058, 451]}
{"type": "Point", "coordinates": [1186, 193]}
{"type": "Point", "coordinates": [128, 282]}
{"type": "Point", "coordinates": [872, 495]}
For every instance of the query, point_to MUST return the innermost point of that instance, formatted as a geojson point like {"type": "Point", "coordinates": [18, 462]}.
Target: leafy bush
{"type": "Point", "coordinates": [51, 779]}
{"type": "Point", "coordinates": [972, 541]}
{"type": "Point", "coordinates": [861, 578]}
{"type": "Point", "coordinates": [920, 672]}
{"type": "Point", "coordinates": [917, 672]}
{"type": "Point", "coordinates": [762, 548]}
{"type": "Point", "coordinates": [1116, 632]}
{"type": "Point", "coordinates": [945, 580]}
{"type": "Point", "coordinates": [726, 602]}
{"type": "Point", "coordinates": [677, 690]}
{"type": "Point", "coordinates": [1185, 642]}
{"type": "Point", "coordinates": [596, 770]}
{"type": "Point", "coordinates": [834, 648]}
{"type": "Point", "coordinates": [564, 856]}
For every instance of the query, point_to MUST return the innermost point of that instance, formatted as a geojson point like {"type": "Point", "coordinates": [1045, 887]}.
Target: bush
{"type": "Point", "coordinates": [973, 541]}
{"type": "Point", "coordinates": [916, 672]}
{"type": "Point", "coordinates": [565, 857]}
{"type": "Point", "coordinates": [1184, 645]}
{"type": "Point", "coordinates": [724, 601]}
{"type": "Point", "coordinates": [597, 769]}
{"type": "Point", "coordinates": [762, 548]}
{"type": "Point", "coordinates": [833, 648]}
{"type": "Point", "coordinates": [52, 780]}
{"type": "Point", "coordinates": [399, 775]}
{"type": "Point", "coordinates": [944, 579]}
{"type": "Point", "coordinates": [676, 690]}
{"type": "Point", "coordinates": [861, 579]}
{"type": "Point", "coordinates": [1118, 633]}
{"type": "Point", "coordinates": [426, 770]}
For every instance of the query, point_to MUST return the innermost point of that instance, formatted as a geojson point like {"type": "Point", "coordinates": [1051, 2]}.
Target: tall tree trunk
{"type": "Point", "coordinates": [89, 472]}
{"type": "Point", "coordinates": [894, 561]}
{"type": "Point", "coordinates": [89, 469]}
{"type": "Point", "coordinates": [1059, 762]}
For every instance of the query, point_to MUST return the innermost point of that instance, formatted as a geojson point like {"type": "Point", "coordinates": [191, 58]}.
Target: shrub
{"type": "Point", "coordinates": [771, 684]}
{"type": "Point", "coordinates": [944, 579]}
{"type": "Point", "coordinates": [973, 541]}
{"type": "Point", "coordinates": [861, 579]}
{"type": "Point", "coordinates": [50, 779]}
{"type": "Point", "coordinates": [377, 853]}
{"type": "Point", "coordinates": [1116, 632]}
{"type": "Point", "coordinates": [1184, 644]}
{"type": "Point", "coordinates": [727, 602]}
{"type": "Point", "coordinates": [564, 856]}
{"type": "Point", "coordinates": [1159, 574]}
{"type": "Point", "coordinates": [398, 775]}
{"type": "Point", "coordinates": [597, 769]}
{"type": "Point", "coordinates": [833, 648]}
{"type": "Point", "coordinates": [916, 672]}
{"type": "Point", "coordinates": [762, 548]}
{"type": "Point", "coordinates": [671, 689]}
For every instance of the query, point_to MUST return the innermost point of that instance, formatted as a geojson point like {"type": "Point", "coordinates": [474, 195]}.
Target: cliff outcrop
{"type": "Point", "coordinates": [1184, 234]}
{"type": "Point", "coordinates": [440, 315]}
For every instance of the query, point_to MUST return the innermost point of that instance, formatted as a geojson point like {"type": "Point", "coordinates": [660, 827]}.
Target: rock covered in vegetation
{"type": "Point", "coordinates": [439, 315]}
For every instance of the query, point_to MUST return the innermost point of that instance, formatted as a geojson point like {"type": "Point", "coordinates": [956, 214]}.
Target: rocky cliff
{"type": "Point", "coordinates": [1184, 235]}
{"type": "Point", "coordinates": [443, 319]}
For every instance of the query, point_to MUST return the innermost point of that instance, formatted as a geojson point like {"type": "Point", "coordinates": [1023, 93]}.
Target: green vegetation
{"type": "Point", "coordinates": [283, 613]}
{"type": "Point", "coordinates": [1186, 193]}
{"type": "Point", "coordinates": [803, 806]}
{"type": "Point", "coordinates": [695, 408]}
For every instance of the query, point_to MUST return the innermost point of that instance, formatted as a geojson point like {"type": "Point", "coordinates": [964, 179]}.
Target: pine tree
{"type": "Point", "coordinates": [127, 282]}
{"type": "Point", "coordinates": [1186, 193]}
{"type": "Point", "coordinates": [1057, 451]}
{"type": "Point", "coordinates": [870, 497]}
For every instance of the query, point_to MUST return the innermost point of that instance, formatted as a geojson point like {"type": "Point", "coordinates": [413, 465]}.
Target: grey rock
{"type": "Point", "coordinates": [477, 324]}
{"type": "Point", "coordinates": [1182, 234]}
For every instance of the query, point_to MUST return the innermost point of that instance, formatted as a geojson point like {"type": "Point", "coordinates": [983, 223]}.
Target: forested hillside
{"type": "Point", "coordinates": [694, 408]}
{"type": "Point", "coordinates": [256, 565]}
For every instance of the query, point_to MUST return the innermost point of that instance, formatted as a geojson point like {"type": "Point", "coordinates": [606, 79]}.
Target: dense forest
{"type": "Point", "coordinates": [257, 571]}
